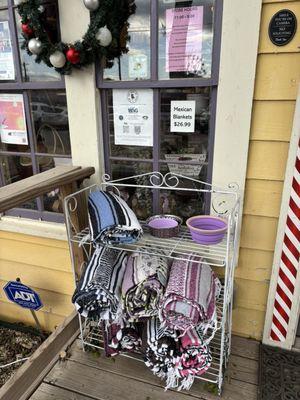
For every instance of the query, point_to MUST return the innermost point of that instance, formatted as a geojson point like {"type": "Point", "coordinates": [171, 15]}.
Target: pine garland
{"type": "Point", "coordinates": [113, 14]}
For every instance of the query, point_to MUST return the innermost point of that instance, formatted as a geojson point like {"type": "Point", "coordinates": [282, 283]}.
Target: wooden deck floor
{"type": "Point", "coordinates": [86, 375]}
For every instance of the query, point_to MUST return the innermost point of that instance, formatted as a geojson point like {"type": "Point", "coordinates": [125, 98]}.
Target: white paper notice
{"type": "Point", "coordinates": [12, 119]}
{"type": "Point", "coordinates": [183, 116]}
{"type": "Point", "coordinates": [7, 69]}
{"type": "Point", "coordinates": [133, 117]}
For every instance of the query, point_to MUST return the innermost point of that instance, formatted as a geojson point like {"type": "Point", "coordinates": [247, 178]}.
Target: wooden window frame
{"type": "Point", "coordinates": [156, 85]}
{"type": "Point", "coordinates": [21, 87]}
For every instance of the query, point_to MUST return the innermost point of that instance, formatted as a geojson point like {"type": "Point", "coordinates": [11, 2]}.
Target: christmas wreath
{"type": "Point", "coordinates": [107, 34]}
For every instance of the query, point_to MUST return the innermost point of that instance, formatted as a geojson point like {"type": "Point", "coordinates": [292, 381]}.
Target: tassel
{"type": "Point", "coordinates": [186, 383]}
{"type": "Point", "coordinates": [172, 379]}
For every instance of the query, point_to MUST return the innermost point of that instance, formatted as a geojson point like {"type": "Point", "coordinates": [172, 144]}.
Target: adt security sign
{"type": "Point", "coordinates": [22, 295]}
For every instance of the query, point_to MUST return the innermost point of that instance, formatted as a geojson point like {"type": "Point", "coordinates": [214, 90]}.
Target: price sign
{"type": "Point", "coordinates": [183, 116]}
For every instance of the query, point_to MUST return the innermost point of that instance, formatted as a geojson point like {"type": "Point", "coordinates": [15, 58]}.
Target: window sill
{"type": "Point", "coordinates": [49, 230]}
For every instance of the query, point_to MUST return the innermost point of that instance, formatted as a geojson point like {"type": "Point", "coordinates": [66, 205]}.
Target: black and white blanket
{"type": "Point", "coordinates": [98, 293]}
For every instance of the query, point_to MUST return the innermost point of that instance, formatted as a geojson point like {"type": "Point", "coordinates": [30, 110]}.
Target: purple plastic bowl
{"type": "Point", "coordinates": [163, 223]}
{"type": "Point", "coordinates": [164, 226]}
{"type": "Point", "coordinates": [206, 229]}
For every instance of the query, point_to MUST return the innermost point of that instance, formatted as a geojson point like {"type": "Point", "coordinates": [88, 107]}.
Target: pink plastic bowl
{"type": "Point", "coordinates": [206, 229]}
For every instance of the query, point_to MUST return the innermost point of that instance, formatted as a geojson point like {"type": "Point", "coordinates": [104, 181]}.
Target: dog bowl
{"type": "Point", "coordinates": [164, 226]}
{"type": "Point", "coordinates": [206, 229]}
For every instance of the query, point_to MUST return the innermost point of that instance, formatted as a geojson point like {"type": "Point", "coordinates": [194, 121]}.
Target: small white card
{"type": "Point", "coordinates": [183, 116]}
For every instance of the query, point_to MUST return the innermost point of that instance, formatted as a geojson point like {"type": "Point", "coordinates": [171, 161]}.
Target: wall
{"type": "Point", "coordinates": [44, 265]}
{"type": "Point", "coordinates": [277, 80]}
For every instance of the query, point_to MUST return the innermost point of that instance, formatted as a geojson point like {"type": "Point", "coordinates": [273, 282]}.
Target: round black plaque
{"type": "Point", "coordinates": [282, 27]}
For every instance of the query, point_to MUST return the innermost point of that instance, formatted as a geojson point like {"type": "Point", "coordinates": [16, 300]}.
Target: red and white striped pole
{"type": "Point", "coordinates": [289, 262]}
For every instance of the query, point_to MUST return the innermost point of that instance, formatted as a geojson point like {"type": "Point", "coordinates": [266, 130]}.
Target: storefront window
{"type": "Point", "coordinates": [31, 71]}
{"type": "Point", "coordinates": [168, 120]}
{"type": "Point", "coordinates": [34, 130]}
{"type": "Point", "coordinates": [135, 65]}
{"type": "Point", "coordinates": [185, 39]}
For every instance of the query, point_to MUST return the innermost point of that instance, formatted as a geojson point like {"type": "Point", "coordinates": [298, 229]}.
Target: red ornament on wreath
{"type": "Point", "coordinates": [27, 30]}
{"type": "Point", "coordinates": [73, 55]}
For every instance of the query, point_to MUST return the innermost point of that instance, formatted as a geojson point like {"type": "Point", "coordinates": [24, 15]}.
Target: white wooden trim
{"type": "Point", "coordinates": [83, 97]}
{"type": "Point", "coordinates": [48, 230]}
{"type": "Point", "coordinates": [289, 342]}
{"type": "Point", "coordinates": [240, 37]}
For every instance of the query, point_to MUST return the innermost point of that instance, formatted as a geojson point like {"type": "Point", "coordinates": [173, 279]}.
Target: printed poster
{"type": "Point", "coordinates": [7, 69]}
{"type": "Point", "coordinates": [184, 31]}
{"type": "Point", "coordinates": [133, 117]}
{"type": "Point", "coordinates": [12, 119]}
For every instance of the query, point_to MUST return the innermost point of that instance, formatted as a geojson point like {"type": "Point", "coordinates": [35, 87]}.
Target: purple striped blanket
{"type": "Point", "coordinates": [190, 297]}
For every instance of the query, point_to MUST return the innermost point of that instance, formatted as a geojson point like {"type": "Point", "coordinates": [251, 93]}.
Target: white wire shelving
{"type": "Point", "coordinates": [224, 202]}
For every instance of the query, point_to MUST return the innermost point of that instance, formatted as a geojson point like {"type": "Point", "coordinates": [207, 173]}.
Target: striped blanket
{"type": "Point", "coordinates": [120, 339]}
{"type": "Point", "coordinates": [160, 348]}
{"type": "Point", "coordinates": [190, 296]}
{"type": "Point", "coordinates": [98, 293]}
{"type": "Point", "coordinates": [194, 359]}
{"type": "Point", "coordinates": [111, 220]}
{"type": "Point", "coordinates": [143, 285]}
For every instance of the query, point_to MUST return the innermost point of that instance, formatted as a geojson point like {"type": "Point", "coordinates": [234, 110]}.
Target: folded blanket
{"type": "Point", "coordinates": [111, 220]}
{"type": "Point", "coordinates": [98, 293]}
{"type": "Point", "coordinates": [160, 348]}
{"type": "Point", "coordinates": [120, 339]}
{"type": "Point", "coordinates": [143, 285]}
{"type": "Point", "coordinates": [190, 297]}
{"type": "Point", "coordinates": [194, 360]}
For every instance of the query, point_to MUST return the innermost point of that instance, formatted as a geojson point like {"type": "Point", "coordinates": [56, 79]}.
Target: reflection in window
{"type": "Point", "coordinates": [183, 203]}
{"type": "Point", "coordinates": [50, 117]}
{"type": "Point", "coordinates": [135, 65]}
{"type": "Point", "coordinates": [185, 39]}
{"type": "Point", "coordinates": [140, 200]}
{"type": "Point", "coordinates": [15, 168]}
{"type": "Point", "coordinates": [31, 71]}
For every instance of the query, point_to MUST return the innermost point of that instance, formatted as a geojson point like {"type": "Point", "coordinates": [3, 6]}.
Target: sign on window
{"type": "Point", "coordinates": [12, 119]}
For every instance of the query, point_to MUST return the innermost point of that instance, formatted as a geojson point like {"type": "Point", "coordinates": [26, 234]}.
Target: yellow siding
{"type": "Point", "coordinates": [277, 80]}
{"type": "Point", "coordinates": [42, 264]}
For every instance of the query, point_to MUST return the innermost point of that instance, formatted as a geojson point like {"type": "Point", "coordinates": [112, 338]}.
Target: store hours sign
{"type": "Point", "coordinates": [183, 116]}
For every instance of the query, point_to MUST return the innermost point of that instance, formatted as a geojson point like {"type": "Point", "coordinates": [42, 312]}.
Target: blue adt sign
{"type": "Point", "coordinates": [22, 295]}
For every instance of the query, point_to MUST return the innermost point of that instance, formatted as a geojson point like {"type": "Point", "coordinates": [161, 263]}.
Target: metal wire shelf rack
{"type": "Point", "coordinates": [224, 202]}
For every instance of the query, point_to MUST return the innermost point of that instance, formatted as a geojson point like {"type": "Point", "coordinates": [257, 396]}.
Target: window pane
{"type": "Point", "coordinates": [140, 200]}
{"type": "Point", "coordinates": [15, 168]}
{"type": "Point", "coordinates": [183, 203]}
{"type": "Point", "coordinates": [187, 139]}
{"type": "Point", "coordinates": [135, 65]}
{"type": "Point", "coordinates": [7, 69]}
{"type": "Point", "coordinates": [50, 117]}
{"type": "Point", "coordinates": [3, 3]}
{"type": "Point", "coordinates": [31, 71]}
{"type": "Point", "coordinates": [52, 200]}
{"type": "Point", "coordinates": [185, 38]}
{"type": "Point", "coordinates": [131, 150]}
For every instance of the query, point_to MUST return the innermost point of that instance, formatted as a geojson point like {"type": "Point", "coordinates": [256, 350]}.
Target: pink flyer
{"type": "Point", "coordinates": [184, 28]}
